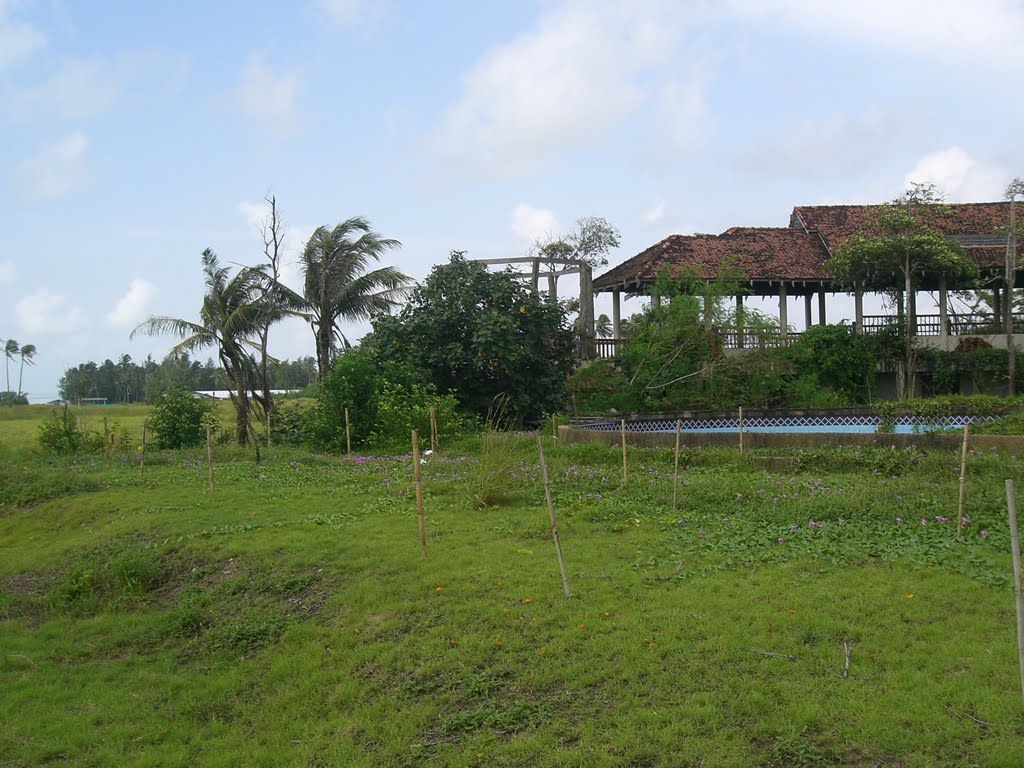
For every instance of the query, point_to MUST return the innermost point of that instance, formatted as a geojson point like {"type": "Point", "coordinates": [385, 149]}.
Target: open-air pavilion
{"type": "Point", "coordinates": [785, 262]}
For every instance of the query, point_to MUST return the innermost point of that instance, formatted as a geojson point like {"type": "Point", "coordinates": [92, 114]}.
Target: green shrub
{"type": "Point", "coordinates": [180, 420]}
{"type": "Point", "coordinates": [61, 433]}
{"type": "Point", "coordinates": [600, 387]}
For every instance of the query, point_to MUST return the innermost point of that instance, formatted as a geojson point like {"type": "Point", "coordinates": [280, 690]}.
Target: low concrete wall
{"type": "Point", "coordinates": [1009, 444]}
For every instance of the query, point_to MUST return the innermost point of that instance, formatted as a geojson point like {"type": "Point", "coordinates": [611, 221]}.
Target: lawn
{"type": "Point", "coordinates": [291, 620]}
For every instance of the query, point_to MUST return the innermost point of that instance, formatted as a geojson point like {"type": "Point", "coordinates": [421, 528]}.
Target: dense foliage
{"type": "Point", "coordinates": [479, 334]}
{"type": "Point", "coordinates": [61, 433]}
{"type": "Point", "coordinates": [180, 420]}
{"type": "Point", "coordinates": [385, 402]}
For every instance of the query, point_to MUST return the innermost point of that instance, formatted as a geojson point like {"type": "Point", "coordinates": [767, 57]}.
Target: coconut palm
{"type": "Point", "coordinates": [10, 350]}
{"type": "Point", "coordinates": [337, 285]}
{"type": "Point", "coordinates": [603, 327]}
{"type": "Point", "coordinates": [227, 322]}
{"type": "Point", "coordinates": [27, 353]}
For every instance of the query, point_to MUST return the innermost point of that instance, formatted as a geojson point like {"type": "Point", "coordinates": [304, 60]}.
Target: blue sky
{"type": "Point", "coordinates": [134, 135]}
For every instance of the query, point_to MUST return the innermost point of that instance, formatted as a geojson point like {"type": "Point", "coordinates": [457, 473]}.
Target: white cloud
{"type": "Point", "coordinates": [47, 312]}
{"type": "Point", "coordinates": [681, 114]}
{"type": "Point", "coordinates": [254, 213]}
{"type": "Point", "coordinates": [6, 272]}
{"type": "Point", "coordinates": [566, 84]}
{"type": "Point", "coordinates": [57, 169]}
{"type": "Point", "coordinates": [18, 40]}
{"type": "Point", "coordinates": [655, 213]}
{"type": "Point", "coordinates": [533, 223]}
{"type": "Point", "coordinates": [345, 12]}
{"type": "Point", "coordinates": [131, 307]}
{"type": "Point", "coordinates": [268, 99]}
{"type": "Point", "coordinates": [79, 90]}
{"type": "Point", "coordinates": [981, 31]}
{"type": "Point", "coordinates": [959, 176]}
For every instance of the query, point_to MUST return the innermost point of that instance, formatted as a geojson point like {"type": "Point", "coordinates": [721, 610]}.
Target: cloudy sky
{"type": "Point", "coordinates": [134, 135]}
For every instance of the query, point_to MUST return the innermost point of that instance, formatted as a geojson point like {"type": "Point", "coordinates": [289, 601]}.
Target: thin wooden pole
{"type": "Point", "coordinates": [142, 459]}
{"type": "Point", "coordinates": [741, 429]}
{"type": "Point", "coordinates": [419, 491]}
{"type": "Point", "coordinates": [209, 457]}
{"type": "Point", "coordinates": [551, 516]}
{"type": "Point", "coordinates": [106, 441]}
{"type": "Point", "coordinates": [625, 465]}
{"type": "Point", "coordinates": [433, 430]}
{"type": "Point", "coordinates": [348, 434]}
{"type": "Point", "coordinates": [554, 427]}
{"type": "Point", "coordinates": [675, 471]}
{"type": "Point", "coordinates": [963, 484]}
{"type": "Point", "coordinates": [268, 429]}
{"type": "Point", "coordinates": [1011, 504]}
{"type": "Point", "coordinates": [575, 412]}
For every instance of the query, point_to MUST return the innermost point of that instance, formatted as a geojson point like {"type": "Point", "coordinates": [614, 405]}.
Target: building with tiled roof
{"type": "Point", "coordinates": [790, 261]}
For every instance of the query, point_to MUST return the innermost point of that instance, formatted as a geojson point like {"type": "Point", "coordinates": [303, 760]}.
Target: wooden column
{"type": "Point", "coordinates": [858, 310]}
{"type": "Point", "coordinates": [739, 320]}
{"type": "Point", "coordinates": [821, 307]}
{"type": "Point", "coordinates": [808, 322]}
{"type": "Point", "coordinates": [943, 313]}
{"type": "Point", "coordinates": [535, 281]}
{"type": "Point", "coordinates": [783, 315]}
{"type": "Point", "coordinates": [616, 314]}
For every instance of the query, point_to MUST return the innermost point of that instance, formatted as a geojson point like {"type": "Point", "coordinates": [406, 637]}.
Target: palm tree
{"type": "Point", "coordinates": [10, 350]}
{"type": "Point", "coordinates": [337, 285]}
{"type": "Point", "coordinates": [27, 354]}
{"type": "Point", "coordinates": [227, 321]}
{"type": "Point", "coordinates": [603, 327]}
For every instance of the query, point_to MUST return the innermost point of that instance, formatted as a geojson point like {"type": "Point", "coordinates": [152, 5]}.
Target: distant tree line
{"type": "Point", "coordinates": [125, 381]}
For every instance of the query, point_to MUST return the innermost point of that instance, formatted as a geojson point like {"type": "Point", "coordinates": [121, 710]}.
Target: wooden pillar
{"type": "Point", "coordinates": [858, 310]}
{"type": "Point", "coordinates": [587, 311]}
{"type": "Point", "coordinates": [807, 311]}
{"type": "Point", "coordinates": [535, 282]}
{"type": "Point", "coordinates": [783, 315]}
{"type": "Point", "coordinates": [707, 305]}
{"type": "Point", "coordinates": [943, 312]}
{"type": "Point", "coordinates": [821, 307]}
{"type": "Point", "coordinates": [739, 320]}
{"type": "Point", "coordinates": [616, 314]}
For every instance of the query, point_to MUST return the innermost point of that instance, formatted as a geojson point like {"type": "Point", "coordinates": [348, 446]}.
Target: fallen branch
{"type": "Point", "coordinates": [848, 649]}
{"type": "Point", "coordinates": [773, 655]}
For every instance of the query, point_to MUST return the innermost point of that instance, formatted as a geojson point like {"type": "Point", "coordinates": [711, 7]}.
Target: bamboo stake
{"type": "Point", "coordinates": [675, 471]}
{"type": "Point", "coordinates": [419, 491]}
{"type": "Point", "coordinates": [106, 441]}
{"type": "Point", "coordinates": [963, 484]}
{"type": "Point", "coordinates": [741, 429]}
{"type": "Point", "coordinates": [1011, 504]}
{"type": "Point", "coordinates": [348, 434]}
{"type": "Point", "coordinates": [433, 430]}
{"type": "Point", "coordinates": [142, 459]}
{"type": "Point", "coordinates": [625, 466]}
{"type": "Point", "coordinates": [209, 457]}
{"type": "Point", "coordinates": [551, 516]}
{"type": "Point", "coordinates": [554, 427]}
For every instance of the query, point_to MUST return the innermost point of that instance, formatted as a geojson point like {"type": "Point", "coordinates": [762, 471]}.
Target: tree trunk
{"type": "Point", "coordinates": [908, 309]}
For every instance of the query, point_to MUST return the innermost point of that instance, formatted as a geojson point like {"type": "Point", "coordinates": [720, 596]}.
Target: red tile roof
{"type": "Point", "coordinates": [797, 253]}
{"type": "Point", "coordinates": [762, 253]}
{"type": "Point", "coordinates": [974, 225]}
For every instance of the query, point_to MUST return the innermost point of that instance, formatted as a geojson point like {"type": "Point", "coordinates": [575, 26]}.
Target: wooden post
{"type": "Point", "coordinates": [625, 466]}
{"type": "Point", "coordinates": [419, 491]}
{"type": "Point", "coordinates": [675, 471]}
{"type": "Point", "coordinates": [209, 457]}
{"type": "Point", "coordinates": [551, 516]}
{"type": "Point", "coordinates": [1011, 503]}
{"type": "Point", "coordinates": [554, 427]}
{"type": "Point", "coordinates": [433, 430]}
{"type": "Point", "coordinates": [741, 430]}
{"type": "Point", "coordinates": [142, 459]}
{"type": "Point", "coordinates": [348, 434]}
{"type": "Point", "coordinates": [783, 311]}
{"type": "Point", "coordinates": [106, 441]}
{"type": "Point", "coordinates": [963, 483]}
{"type": "Point", "coordinates": [575, 413]}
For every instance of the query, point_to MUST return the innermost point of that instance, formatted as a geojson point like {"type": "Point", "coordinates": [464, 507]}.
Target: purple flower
{"type": "Point", "coordinates": [941, 519]}
{"type": "Point", "coordinates": [780, 539]}
{"type": "Point", "coordinates": [739, 495]}
{"type": "Point", "coordinates": [965, 520]}
{"type": "Point", "coordinates": [702, 533]}
{"type": "Point", "coordinates": [924, 521]}
{"type": "Point", "coordinates": [899, 521]}
{"type": "Point", "coordinates": [792, 526]}
{"type": "Point", "coordinates": [680, 521]}
{"type": "Point", "coordinates": [984, 534]}
{"type": "Point", "coordinates": [842, 521]}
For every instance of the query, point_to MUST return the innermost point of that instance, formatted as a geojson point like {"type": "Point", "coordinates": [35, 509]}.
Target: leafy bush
{"type": "Point", "coordinates": [61, 433]}
{"type": "Point", "coordinates": [180, 420]}
{"type": "Point", "coordinates": [838, 359]}
{"type": "Point", "coordinates": [600, 387]}
{"type": "Point", "coordinates": [385, 403]}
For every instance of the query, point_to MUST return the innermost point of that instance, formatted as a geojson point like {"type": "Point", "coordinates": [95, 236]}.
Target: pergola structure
{"type": "Point", "coordinates": [789, 261]}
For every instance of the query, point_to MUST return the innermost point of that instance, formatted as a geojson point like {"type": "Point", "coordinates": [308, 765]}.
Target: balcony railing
{"type": "Point", "coordinates": [927, 325]}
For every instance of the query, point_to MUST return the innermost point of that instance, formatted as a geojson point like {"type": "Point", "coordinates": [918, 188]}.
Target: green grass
{"type": "Point", "coordinates": [290, 619]}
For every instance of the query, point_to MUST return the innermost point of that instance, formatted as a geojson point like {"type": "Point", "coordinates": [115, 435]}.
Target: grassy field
{"type": "Point", "coordinates": [290, 619]}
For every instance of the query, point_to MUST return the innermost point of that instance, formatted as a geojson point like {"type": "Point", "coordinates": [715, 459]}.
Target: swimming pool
{"type": "Point", "coordinates": [902, 425]}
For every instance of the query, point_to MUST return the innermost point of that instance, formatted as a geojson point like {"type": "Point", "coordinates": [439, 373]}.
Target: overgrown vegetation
{"type": "Point", "coordinates": [180, 419]}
